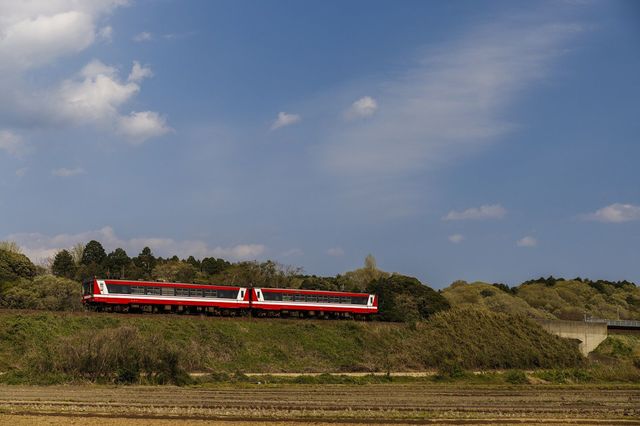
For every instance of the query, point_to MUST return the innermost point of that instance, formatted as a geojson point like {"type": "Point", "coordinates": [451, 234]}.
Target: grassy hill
{"type": "Point", "coordinates": [47, 346]}
{"type": "Point", "coordinates": [483, 295]}
{"type": "Point", "coordinates": [562, 299]}
{"type": "Point", "coordinates": [571, 299]}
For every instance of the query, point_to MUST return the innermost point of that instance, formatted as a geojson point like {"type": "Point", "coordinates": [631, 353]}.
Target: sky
{"type": "Point", "coordinates": [495, 141]}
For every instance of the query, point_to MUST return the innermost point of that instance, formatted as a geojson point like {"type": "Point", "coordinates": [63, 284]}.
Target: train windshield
{"type": "Point", "coordinates": [87, 288]}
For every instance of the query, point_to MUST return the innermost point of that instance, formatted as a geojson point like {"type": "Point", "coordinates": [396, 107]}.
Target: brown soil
{"type": "Point", "coordinates": [322, 404]}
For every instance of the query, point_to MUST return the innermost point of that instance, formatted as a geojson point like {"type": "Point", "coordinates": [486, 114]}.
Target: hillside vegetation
{"type": "Point", "coordinates": [551, 298]}
{"type": "Point", "coordinates": [40, 347]}
{"type": "Point", "coordinates": [478, 294]}
{"type": "Point", "coordinates": [402, 298]}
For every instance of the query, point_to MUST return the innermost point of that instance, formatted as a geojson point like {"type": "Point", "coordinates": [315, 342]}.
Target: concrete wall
{"type": "Point", "coordinates": [589, 334]}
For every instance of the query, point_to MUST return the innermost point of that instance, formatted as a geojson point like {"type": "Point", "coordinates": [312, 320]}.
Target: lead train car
{"type": "Point", "coordinates": [149, 296]}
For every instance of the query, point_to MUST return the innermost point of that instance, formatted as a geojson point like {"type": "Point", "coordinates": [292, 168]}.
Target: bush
{"type": "Point", "coordinates": [451, 369]}
{"type": "Point", "coordinates": [44, 292]}
{"type": "Point", "coordinates": [561, 376]}
{"type": "Point", "coordinates": [403, 298]}
{"type": "Point", "coordinates": [118, 355]}
{"type": "Point", "coordinates": [14, 266]}
{"type": "Point", "coordinates": [516, 377]}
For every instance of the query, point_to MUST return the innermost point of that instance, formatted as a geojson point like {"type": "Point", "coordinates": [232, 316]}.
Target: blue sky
{"type": "Point", "coordinates": [470, 140]}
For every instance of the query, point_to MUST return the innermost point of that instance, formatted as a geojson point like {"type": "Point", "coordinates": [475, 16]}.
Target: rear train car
{"type": "Point", "coordinates": [312, 303]}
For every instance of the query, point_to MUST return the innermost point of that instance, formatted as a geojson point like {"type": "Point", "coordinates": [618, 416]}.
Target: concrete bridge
{"type": "Point", "coordinates": [590, 334]}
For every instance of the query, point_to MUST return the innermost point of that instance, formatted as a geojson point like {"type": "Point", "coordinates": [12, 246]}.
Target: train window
{"type": "Point", "coordinates": [287, 297]}
{"type": "Point", "coordinates": [344, 299]}
{"type": "Point", "coordinates": [182, 291]}
{"type": "Point", "coordinates": [137, 290]}
{"type": "Point", "coordinates": [195, 292]}
{"type": "Point", "coordinates": [153, 290]}
{"type": "Point", "coordinates": [168, 291]}
{"type": "Point", "coordinates": [312, 298]}
{"type": "Point", "coordinates": [323, 299]}
{"type": "Point", "coordinates": [298, 297]}
{"type": "Point", "coordinates": [277, 297]}
{"type": "Point", "coordinates": [118, 289]}
{"type": "Point", "coordinates": [227, 294]}
{"type": "Point", "coordinates": [210, 293]}
{"type": "Point", "coordinates": [359, 300]}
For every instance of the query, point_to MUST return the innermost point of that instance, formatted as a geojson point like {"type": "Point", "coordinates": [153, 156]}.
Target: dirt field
{"type": "Point", "coordinates": [310, 404]}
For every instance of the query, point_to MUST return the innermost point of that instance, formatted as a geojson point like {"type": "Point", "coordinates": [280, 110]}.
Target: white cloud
{"type": "Point", "coordinates": [38, 32]}
{"type": "Point", "coordinates": [454, 101]}
{"type": "Point", "coordinates": [21, 172]}
{"type": "Point", "coordinates": [285, 119]}
{"type": "Point", "coordinates": [11, 143]}
{"type": "Point", "coordinates": [527, 241]}
{"type": "Point", "coordinates": [106, 34]}
{"type": "Point", "coordinates": [65, 172]}
{"type": "Point", "coordinates": [143, 36]}
{"type": "Point", "coordinates": [139, 73]}
{"type": "Point", "coordinates": [456, 238]}
{"type": "Point", "coordinates": [494, 211]}
{"type": "Point", "coordinates": [40, 247]}
{"type": "Point", "coordinates": [615, 213]}
{"type": "Point", "coordinates": [363, 107]}
{"type": "Point", "coordinates": [140, 126]}
{"type": "Point", "coordinates": [335, 252]}
{"type": "Point", "coordinates": [94, 96]}
{"type": "Point", "coordinates": [36, 41]}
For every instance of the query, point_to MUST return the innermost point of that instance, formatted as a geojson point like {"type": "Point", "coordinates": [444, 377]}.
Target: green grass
{"type": "Point", "coordinates": [63, 345]}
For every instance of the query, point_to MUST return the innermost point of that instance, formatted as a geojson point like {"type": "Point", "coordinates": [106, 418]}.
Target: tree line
{"type": "Point", "coordinates": [23, 285]}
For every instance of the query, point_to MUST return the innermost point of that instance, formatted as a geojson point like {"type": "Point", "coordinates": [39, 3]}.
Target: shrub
{"type": "Point", "coordinates": [118, 355]}
{"type": "Point", "coordinates": [15, 265]}
{"type": "Point", "coordinates": [516, 377]}
{"type": "Point", "coordinates": [403, 298]}
{"type": "Point", "coordinates": [560, 376]}
{"type": "Point", "coordinates": [44, 292]}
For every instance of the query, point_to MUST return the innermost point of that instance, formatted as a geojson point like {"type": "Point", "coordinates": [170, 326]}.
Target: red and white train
{"type": "Point", "coordinates": [149, 296]}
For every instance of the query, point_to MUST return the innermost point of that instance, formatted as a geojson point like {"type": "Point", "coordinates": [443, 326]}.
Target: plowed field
{"type": "Point", "coordinates": [310, 404]}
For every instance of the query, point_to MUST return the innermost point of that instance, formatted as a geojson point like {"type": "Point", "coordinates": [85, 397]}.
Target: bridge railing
{"type": "Point", "coordinates": [616, 323]}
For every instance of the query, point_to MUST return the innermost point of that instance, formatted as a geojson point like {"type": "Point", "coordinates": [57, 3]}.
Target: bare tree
{"type": "Point", "coordinates": [76, 252]}
{"type": "Point", "coordinates": [10, 246]}
{"type": "Point", "coordinates": [370, 263]}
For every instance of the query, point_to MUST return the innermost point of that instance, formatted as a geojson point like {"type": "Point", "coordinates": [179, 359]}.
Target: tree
{"type": "Point", "coordinates": [77, 251]}
{"type": "Point", "coordinates": [193, 262]}
{"type": "Point", "coordinates": [175, 271]}
{"type": "Point", "coordinates": [403, 298]}
{"type": "Point", "coordinates": [63, 264]}
{"type": "Point", "coordinates": [212, 266]}
{"type": "Point", "coordinates": [370, 263]}
{"type": "Point", "coordinates": [93, 253]}
{"type": "Point", "coordinates": [117, 261]}
{"type": "Point", "coordinates": [359, 279]}
{"type": "Point", "coordinates": [145, 260]}
{"type": "Point", "coordinates": [14, 266]}
{"type": "Point", "coordinates": [319, 283]}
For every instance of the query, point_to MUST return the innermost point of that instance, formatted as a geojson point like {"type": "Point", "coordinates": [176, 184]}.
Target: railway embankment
{"type": "Point", "coordinates": [58, 347]}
